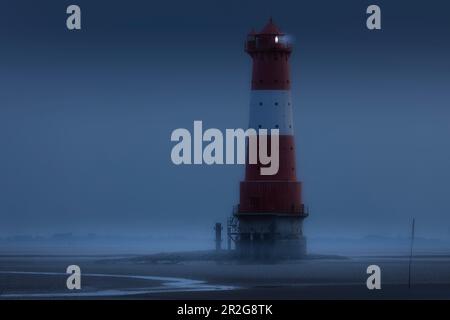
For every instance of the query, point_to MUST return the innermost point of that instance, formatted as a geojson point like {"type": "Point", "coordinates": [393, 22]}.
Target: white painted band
{"type": "Point", "coordinates": [271, 109]}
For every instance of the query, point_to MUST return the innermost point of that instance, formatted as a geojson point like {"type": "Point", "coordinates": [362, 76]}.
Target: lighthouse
{"type": "Point", "coordinates": [268, 220]}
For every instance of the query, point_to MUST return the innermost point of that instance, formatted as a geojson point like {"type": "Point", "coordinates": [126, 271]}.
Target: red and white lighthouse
{"type": "Point", "coordinates": [271, 211]}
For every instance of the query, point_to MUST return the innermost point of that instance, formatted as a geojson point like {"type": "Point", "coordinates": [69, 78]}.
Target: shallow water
{"type": "Point", "coordinates": [168, 284]}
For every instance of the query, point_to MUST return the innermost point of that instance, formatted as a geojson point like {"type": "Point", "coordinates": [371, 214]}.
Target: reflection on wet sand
{"type": "Point", "coordinates": [166, 284]}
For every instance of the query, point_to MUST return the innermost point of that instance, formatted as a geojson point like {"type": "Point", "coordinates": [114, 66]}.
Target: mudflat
{"type": "Point", "coordinates": [43, 277]}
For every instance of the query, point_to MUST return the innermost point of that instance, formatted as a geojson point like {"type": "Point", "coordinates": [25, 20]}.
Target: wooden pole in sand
{"type": "Point", "coordinates": [411, 253]}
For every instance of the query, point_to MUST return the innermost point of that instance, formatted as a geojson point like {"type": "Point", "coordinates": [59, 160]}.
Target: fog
{"type": "Point", "coordinates": [86, 118]}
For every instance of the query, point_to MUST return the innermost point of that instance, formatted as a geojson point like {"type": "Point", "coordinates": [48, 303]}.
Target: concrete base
{"type": "Point", "coordinates": [270, 236]}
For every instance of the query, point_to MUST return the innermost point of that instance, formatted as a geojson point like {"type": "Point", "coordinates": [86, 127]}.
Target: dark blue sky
{"type": "Point", "coordinates": [86, 117]}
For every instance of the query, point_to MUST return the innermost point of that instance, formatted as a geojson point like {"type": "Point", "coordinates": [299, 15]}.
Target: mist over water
{"type": "Point", "coordinates": [85, 123]}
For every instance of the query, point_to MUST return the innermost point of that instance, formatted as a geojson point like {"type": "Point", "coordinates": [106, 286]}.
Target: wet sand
{"type": "Point", "coordinates": [115, 277]}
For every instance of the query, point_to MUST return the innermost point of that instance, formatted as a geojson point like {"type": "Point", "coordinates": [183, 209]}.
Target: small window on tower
{"type": "Point", "coordinates": [276, 126]}
{"type": "Point", "coordinates": [276, 103]}
{"type": "Point", "coordinates": [259, 126]}
{"type": "Point", "coordinates": [260, 103]}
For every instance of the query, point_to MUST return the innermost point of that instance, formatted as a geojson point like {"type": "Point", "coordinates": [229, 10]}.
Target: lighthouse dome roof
{"type": "Point", "coordinates": [270, 28]}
